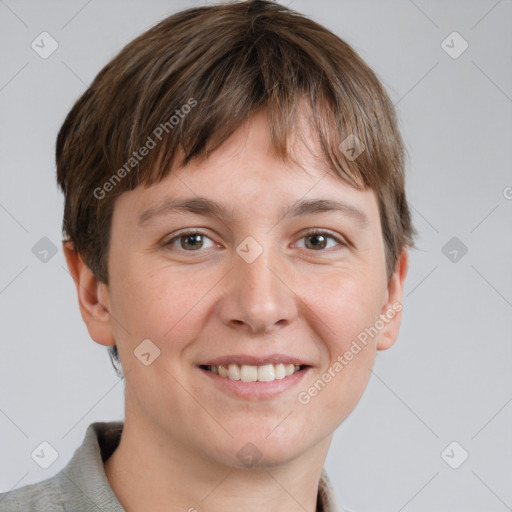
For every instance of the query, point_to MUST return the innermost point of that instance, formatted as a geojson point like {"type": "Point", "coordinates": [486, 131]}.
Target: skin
{"type": "Point", "coordinates": [196, 302]}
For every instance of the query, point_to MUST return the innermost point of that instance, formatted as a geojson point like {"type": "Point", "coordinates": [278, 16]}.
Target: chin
{"type": "Point", "coordinates": [264, 448]}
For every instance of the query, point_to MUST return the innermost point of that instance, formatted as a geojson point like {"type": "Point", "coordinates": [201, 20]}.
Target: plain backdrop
{"type": "Point", "coordinates": [447, 379]}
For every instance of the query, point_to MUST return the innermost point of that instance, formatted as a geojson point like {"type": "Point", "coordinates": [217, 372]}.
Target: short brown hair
{"type": "Point", "coordinates": [225, 62]}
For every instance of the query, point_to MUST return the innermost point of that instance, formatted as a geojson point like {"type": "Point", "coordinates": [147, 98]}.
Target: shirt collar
{"type": "Point", "coordinates": [85, 475]}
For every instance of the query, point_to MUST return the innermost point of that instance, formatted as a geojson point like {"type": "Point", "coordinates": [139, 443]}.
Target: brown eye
{"type": "Point", "coordinates": [189, 241]}
{"type": "Point", "coordinates": [318, 240]}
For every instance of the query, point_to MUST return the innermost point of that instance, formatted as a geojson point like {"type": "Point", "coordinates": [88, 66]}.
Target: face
{"type": "Point", "coordinates": [251, 290]}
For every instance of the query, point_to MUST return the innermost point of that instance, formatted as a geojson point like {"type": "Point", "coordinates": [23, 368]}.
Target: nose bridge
{"type": "Point", "coordinates": [258, 278]}
{"type": "Point", "coordinates": [257, 295]}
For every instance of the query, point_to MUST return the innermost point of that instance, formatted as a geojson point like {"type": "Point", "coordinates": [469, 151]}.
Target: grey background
{"type": "Point", "coordinates": [447, 378]}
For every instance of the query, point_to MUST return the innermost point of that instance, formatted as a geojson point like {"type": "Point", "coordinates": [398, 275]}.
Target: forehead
{"type": "Point", "coordinates": [245, 178]}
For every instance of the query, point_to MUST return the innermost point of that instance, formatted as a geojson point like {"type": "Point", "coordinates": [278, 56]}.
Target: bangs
{"type": "Point", "coordinates": [190, 103]}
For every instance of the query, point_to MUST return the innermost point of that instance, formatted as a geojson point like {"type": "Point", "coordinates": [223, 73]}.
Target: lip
{"type": "Point", "coordinates": [254, 360]}
{"type": "Point", "coordinates": [254, 390]}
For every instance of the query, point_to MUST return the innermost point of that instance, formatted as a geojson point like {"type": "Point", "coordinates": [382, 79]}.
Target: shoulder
{"type": "Point", "coordinates": [43, 496]}
{"type": "Point", "coordinates": [80, 485]}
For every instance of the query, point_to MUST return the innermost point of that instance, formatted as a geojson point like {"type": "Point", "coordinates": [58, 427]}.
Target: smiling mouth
{"type": "Point", "coordinates": [251, 373]}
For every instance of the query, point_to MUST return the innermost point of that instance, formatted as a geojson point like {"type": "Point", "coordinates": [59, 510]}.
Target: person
{"type": "Point", "coordinates": [237, 229]}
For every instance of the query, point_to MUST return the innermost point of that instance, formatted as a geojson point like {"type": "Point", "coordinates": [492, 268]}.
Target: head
{"type": "Point", "coordinates": [253, 106]}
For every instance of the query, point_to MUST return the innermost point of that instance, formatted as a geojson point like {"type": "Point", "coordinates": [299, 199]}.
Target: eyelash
{"type": "Point", "coordinates": [311, 232]}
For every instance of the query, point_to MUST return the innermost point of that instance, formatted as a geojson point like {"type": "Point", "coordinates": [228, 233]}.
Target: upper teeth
{"type": "Point", "coordinates": [250, 373]}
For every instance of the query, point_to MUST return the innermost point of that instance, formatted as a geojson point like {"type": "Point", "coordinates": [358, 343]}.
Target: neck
{"type": "Point", "coordinates": [152, 472]}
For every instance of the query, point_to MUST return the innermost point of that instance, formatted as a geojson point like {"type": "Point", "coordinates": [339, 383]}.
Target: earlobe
{"type": "Point", "coordinates": [391, 312]}
{"type": "Point", "coordinates": [92, 297]}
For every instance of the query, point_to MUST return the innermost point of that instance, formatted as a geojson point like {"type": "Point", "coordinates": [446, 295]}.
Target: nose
{"type": "Point", "coordinates": [257, 296]}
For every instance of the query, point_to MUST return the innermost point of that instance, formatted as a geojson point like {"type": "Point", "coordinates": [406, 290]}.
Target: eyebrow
{"type": "Point", "coordinates": [203, 206]}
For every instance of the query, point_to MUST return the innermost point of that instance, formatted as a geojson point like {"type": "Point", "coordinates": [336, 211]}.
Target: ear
{"type": "Point", "coordinates": [92, 297]}
{"type": "Point", "coordinates": [391, 311]}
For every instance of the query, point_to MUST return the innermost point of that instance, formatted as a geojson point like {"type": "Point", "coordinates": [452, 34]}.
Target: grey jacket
{"type": "Point", "coordinates": [82, 485]}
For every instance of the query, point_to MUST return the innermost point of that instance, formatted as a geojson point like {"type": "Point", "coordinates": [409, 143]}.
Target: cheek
{"type": "Point", "coordinates": [159, 303]}
{"type": "Point", "coordinates": [345, 306]}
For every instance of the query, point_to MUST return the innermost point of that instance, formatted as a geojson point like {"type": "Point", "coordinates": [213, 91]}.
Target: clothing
{"type": "Point", "coordinates": [82, 485]}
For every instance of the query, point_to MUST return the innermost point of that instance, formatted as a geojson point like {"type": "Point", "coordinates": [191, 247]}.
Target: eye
{"type": "Point", "coordinates": [319, 239]}
{"type": "Point", "coordinates": [193, 240]}
{"type": "Point", "coordinates": [189, 240]}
